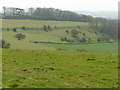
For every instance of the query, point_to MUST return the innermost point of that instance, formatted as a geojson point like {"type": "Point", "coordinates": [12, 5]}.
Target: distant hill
{"type": "Point", "coordinates": [104, 14]}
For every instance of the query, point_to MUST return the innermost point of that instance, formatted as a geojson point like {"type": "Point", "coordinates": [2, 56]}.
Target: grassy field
{"type": "Point", "coordinates": [52, 36]}
{"type": "Point", "coordinates": [59, 69]}
{"type": "Point", "coordinates": [10, 23]}
{"type": "Point", "coordinates": [42, 65]}
{"type": "Point", "coordinates": [94, 48]}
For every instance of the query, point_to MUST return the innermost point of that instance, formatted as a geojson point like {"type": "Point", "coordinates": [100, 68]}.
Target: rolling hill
{"type": "Point", "coordinates": [55, 35]}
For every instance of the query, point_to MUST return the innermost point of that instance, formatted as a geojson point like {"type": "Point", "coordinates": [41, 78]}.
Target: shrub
{"type": "Point", "coordinates": [63, 39]}
{"type": "Point", "coordinates": [82, 40]}
{"type": "Point", "coordinates": [84, 34]}
{"type": "Point", "coordinates": [81, 50]}
{"type": "Point", "coordinates": [78, 27]}
{"type": "Point", "coordinates": [20, 36]}
{"type": "Point", "coordinates": [74, 32]}
{"type": "Point", "coordinates": [45, 28]}
{"type": "Point", "coordinates": [55, 27]}
{"type": "Point", "coordinates": [49, 27]}
{"type": "Point", "coordinates": [61, 49]}
{"type": "Point", "coordinates": [98, 40]}
{"type": "Point", "coordinates": [3, 44]}
{"type": "Point", "coordinates": [14, 30]}
{"type": "Point", "coordinates": [67, 31]}
{"type": "Point", "coordinates": [23, 28]}
{"type": "Point", "coordinates": [7, 29]}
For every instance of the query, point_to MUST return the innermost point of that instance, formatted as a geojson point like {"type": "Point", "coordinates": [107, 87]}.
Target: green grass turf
{"type": "Point", "coordinates": [58, 69]}
{"type": "Point", "coordinates": [99, 47]}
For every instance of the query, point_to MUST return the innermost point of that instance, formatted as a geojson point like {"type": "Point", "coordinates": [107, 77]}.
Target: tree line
{"type": "Point", "coordinates": [44, 14]}
{"type": "Point", "coordinates": [106, 26]}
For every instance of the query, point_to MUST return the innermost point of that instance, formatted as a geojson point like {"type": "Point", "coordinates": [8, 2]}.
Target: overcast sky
{"type": "Point", "coordinates": [72, 5]}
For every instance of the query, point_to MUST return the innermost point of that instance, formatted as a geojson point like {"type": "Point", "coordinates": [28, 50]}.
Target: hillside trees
{"type": "Point", "coordinates": [13, 11]}
{"type": "Point", "coordinates": [108, 27]}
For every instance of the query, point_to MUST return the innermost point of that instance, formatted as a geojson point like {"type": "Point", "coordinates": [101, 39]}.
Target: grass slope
{"type": "Point", "coordinates": [52, 36]}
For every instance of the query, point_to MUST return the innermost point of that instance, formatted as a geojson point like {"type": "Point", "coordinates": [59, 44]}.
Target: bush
{"type": "Point", "coordinates": [3, 44]}
{"type": "Point", "coordinates": [55, 27]}
{"type": "Point", "coordinates": [67, 31]}
{"type": "Point", "coordinates": [45, 28]}
{"type": "Point", "coordinates": [7, 29]}
{"type": "Point", "coordinates": [14, 30]}
{"type": "Point", "coordinates": [98, 40]}
{"type": "Point", "coordinates": [84, 34]}
{"type": "Point", "coordinates": [61, 49]}
{"type": "Point", "coordinates": [20, 36]}
{"type": "Point", "coordinates": [82, 40]}
{"type": "Point", "coordinates": [63, 39]}
{"type": "Point", "coordinates": [7, 45]}
{"type": "Point", "coordinates": [49, 27]}
{"type": "Point", "coordinates": [24, 28]}
{"type": "Point", "coordinates": [81, 50]}
{"type": "Point", "coordinates": [78, 27]}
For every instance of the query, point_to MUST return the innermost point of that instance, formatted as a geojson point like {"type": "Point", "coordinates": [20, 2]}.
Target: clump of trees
{"type": "Point", "coordinates": [20, 36]}
{"type": "Point", "coordinates": [74, 33]}
{"type": "Point", "coordinates": [106, 26]}
{"type": "Point", "coordinates": [4, 44]}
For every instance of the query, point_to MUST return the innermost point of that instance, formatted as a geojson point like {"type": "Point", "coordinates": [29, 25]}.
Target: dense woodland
{"type": "Point", "coordinates": [102, 25]}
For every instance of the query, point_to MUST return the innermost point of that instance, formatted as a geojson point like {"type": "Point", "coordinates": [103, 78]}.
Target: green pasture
{"type": "Point", "coordinates": [58, 69]}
